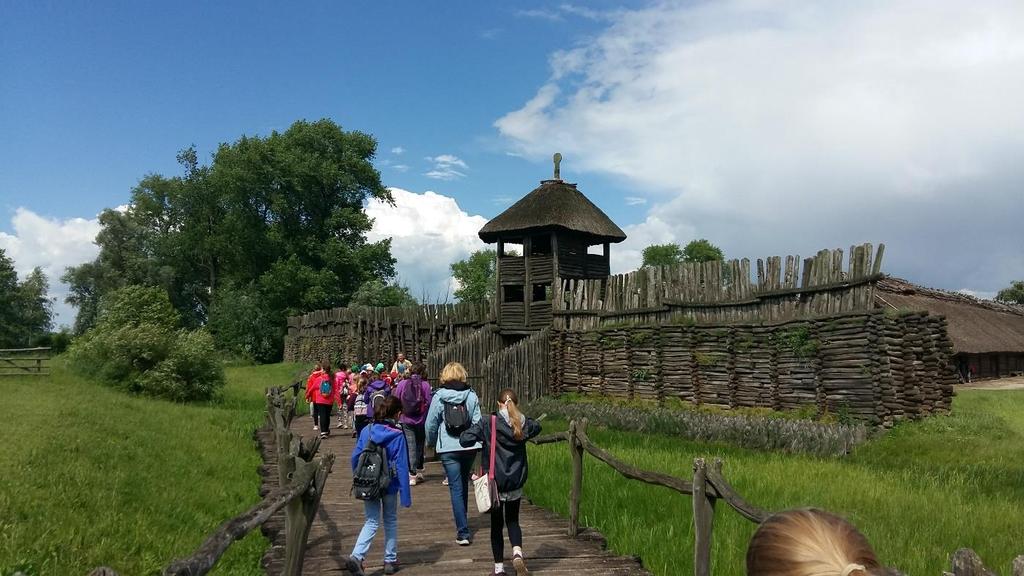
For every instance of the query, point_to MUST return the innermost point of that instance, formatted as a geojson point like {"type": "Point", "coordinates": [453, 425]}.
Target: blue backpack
{"type": "Point", "coordinates": [325, 386]}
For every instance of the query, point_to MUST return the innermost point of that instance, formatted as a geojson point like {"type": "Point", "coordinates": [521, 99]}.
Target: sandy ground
{"type": "Point", "coordinates": [1016, 383]}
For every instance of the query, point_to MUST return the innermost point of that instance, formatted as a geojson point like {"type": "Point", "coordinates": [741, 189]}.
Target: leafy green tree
{"type": "Point", "coordinates": [1014, 294]}
{"type": "Point", "coordinates": [9, 296]}
{"type": "Point", "coordinates": [702, 251]}
{"type": "Point", "coordinates": [475, 276]}
{"type": "Point", "coordinates": [26, 311]}
{"type": "Point", "coordinates": [36, 307]}
{"type": "Point", "coordinates": [243, 325]}
{"type": "Point", "coordinates": [661, 255]}
{"type": "Point", "coordinates": [376, 293]}
{"type": "Point", "coordinates": [282, 215]}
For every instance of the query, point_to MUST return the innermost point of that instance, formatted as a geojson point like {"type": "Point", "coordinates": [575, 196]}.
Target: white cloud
{"type": "Point", "coordinates": [398, 150]}
{"type": "Point", "coordinates": [53, 245]}
{"type": "Point", "coordinates": [635, 201]}
{"type": "Point", "coordinates": [446, 167]}
{"type": "Point", "coordinates": [789, 127]}
{"type": "Point", "coordinates": [400, 167]}
{"type": "Point", "coordinates": [428, 232]}
{"type": "Point", "coordinates": [540, 14]}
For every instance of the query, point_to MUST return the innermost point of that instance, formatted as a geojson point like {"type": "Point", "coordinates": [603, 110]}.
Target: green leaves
{"type": "Point", "coordinates": [475, 276]}
{"type": "Point", "coordinates": [669, 254]}
{"type": "Point", "coordinates": [26, 312]}
{"type": "Point", "coordinates": [1014, 294]}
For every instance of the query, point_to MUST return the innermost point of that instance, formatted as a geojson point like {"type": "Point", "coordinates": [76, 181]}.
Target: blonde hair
{"type": "Point", "coordinates": [509, 399]}
{"type": "Point", "coordinates": [453, 372]}
{"type": "Point", "coordinates": [810, 542]}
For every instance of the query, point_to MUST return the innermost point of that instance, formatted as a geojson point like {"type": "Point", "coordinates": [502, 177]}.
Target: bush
{"type": "Point", "coordinates": [136, 346]}
{"type": "Point", "coordinates": [748, 431]}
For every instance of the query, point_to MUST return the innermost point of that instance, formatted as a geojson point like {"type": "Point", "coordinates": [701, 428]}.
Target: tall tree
{"type": "Point", "coordinates": [376, 293]}
{"type": "Point", "coordinates": [26, 311]}
{"type": "Point", "coordinates": [1013, 294]}
{"type": "Point", "coordinates": [702, 251]}
{"type": "Point", "coordinates": [475, 276]}
{"type": "Point", "coordinates": [662, 255]}
{"type": "Point", "coordinates": [280, 215]}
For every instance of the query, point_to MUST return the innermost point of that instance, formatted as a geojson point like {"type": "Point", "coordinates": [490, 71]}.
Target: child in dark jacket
{"type": "Point", "coordinates": [513, 429]}
{"type": "Point", "coordinates": [384, 431]}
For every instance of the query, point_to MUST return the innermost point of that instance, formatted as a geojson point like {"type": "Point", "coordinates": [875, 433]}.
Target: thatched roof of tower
{"type": "Point", "coordinates": [554, 205]}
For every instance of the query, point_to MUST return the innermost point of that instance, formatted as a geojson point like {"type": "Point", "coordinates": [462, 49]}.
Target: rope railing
{"type": "Point", "coordinates": [706, 488]}
{"type": "Point", "coordinates": [301, 478]}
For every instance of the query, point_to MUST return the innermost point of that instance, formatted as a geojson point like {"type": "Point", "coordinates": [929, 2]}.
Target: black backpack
{"type": "Point", "coordinates": [373, 473]}
{"type": "Point", "coordinates": [456, 418]}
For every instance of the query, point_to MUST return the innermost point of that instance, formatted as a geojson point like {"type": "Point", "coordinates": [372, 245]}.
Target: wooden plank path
{"type": "Point", "coordinates": [426, 531]}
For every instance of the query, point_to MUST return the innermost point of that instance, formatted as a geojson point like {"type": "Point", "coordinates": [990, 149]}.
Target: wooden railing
{"type": "Point", "coordinates": [301, 479]}
{"type": "Point", "coordinates": [25, 362]}
{"type": "Point", "coordinates": [707, 487]}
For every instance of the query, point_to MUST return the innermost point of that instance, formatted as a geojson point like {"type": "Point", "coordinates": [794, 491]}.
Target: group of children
{"type": "Point", "coordinates": [400, 412]}
{"type": "Point", "coordinates": [394, 418]}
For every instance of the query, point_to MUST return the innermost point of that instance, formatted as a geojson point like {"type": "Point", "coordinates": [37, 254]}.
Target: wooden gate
{"type": "Point", "coordinates": [25, 362]}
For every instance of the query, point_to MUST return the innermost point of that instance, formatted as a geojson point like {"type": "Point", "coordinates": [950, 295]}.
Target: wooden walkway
{"type": "Point", "coordinates": [427, 532]}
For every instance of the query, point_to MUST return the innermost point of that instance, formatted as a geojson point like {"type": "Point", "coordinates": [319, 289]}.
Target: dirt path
{"type": "Point", "coordinates": [1015, 383]}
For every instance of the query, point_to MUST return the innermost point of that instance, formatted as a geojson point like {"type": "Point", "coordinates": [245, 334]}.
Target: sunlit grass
{"type": "Point", "coordinates": [919, 493]}
{"type": "Point", "coordinates": [90, 476]}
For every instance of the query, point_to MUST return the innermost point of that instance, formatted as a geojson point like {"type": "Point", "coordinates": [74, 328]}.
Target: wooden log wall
{"type": "Point", "coordinates": [523, 367]}
{"type": "Point", "coordinates": [724, 292]}
{"type": "Point", "coordinates": [470, 351]}
{"type": "Point", "coordinates": [351, 335]}
{"type": "Point", "coordinates": [872, 366]}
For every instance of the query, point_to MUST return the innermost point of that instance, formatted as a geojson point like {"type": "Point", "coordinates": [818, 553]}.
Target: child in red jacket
{"type": "Point", "coordinates": [323, 393]}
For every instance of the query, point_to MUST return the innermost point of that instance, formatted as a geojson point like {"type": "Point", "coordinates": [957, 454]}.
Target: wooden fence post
{"type": "Point", "coordinates": [576, 452]}
{"type": "Point", "coordinates": [703, 519]}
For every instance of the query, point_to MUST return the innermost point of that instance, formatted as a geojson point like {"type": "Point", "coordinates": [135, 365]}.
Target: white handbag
{"type": "Point", "coordinates": [485, 489]}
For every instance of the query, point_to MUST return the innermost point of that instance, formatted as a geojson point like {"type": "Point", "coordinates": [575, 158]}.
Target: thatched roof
{"type": "Point", "coordinates": [554, 205]}
{"type": "Point", "coordinates": [975, 326]}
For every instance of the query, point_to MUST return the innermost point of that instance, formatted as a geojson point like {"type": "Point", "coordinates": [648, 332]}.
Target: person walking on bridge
{"type": "Point", "coordinates": [387, 433]}
{"type": "Point", "coordinates": [414, 392]}
{"type": "Point", "coordinates": [454, 408]}
{"type": "Point", "coordinates": [511, 431]}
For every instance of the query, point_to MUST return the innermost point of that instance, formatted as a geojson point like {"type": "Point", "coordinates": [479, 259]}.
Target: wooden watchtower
{"type": "Point", "coordinates": [542, 239]}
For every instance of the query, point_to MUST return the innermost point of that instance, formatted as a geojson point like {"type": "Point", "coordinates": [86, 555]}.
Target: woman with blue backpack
{"type": "Point", "coordinates": [454, 408]}
{"type": "Point", "coordinates": [380, 471]}
{"type": "Point", "coordinates": [321, 391]}
{"type": "Point", "coordinates": [414, 392]}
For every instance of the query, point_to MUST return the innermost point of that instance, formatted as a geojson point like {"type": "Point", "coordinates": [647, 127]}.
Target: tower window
{"type": "Point", "coordinates": [512, 293]}
{"type": "Point", "coordinates": [541, 292]}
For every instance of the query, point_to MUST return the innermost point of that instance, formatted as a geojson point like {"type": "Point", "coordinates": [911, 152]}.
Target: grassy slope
{"type": "Point", "coordinates": [919, 493]}
{"type": "Point", "coordinates": [93, 477]}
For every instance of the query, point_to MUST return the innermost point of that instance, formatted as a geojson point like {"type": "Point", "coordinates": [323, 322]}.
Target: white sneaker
{"type": "Point", "coordinates": [413, 480]}
{"type": "Point", "coordinates": [419, 476]}
{"type": "Point", "coordinates": [315, 427]}
{"type": "Point", "coordinates": [463, 541]}
{"type": "Point", "coordinates": [445, 482]}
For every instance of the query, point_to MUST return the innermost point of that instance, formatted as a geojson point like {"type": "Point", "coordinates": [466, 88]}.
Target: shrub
{"type": "Point", "coordinates": [136, 346]}
{"type": "Point", "coordinates": [748, 431]}
{"type": "Point", "coordinates": [243, 325]}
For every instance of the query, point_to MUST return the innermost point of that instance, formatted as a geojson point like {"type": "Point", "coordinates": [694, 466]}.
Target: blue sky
{"type": "Point", "coordinates": [770, 128]}
{"type": "Point", "coordinates": [97, 94]}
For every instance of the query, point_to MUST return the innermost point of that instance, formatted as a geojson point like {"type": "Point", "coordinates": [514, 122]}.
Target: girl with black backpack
{"type": "Point", "coordinates": [414, 392]}
{"type": "Point", "coordinates": [512, 429]}
{"type": "Point", "coordinates": [454, 408]}
{"type": "Point", "coordinates": [386, 433]}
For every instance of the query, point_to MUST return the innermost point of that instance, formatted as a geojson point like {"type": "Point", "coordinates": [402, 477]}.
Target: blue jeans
{"type": "Point", "coordinates": [458, 466]}
{"type": "Point", "coordinates": [372, 509]}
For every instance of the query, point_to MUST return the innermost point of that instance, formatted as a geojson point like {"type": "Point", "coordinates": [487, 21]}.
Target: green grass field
{"type": "Point", "coordinates": [90, 476]}
{"type": "Point", "coordinates": [919, 493]}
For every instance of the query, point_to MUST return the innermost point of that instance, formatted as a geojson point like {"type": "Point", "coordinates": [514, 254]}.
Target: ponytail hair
{"type": "Point", "coordinates": [810, 542]}
{"type": "Point", "coordinates": [515, 417]}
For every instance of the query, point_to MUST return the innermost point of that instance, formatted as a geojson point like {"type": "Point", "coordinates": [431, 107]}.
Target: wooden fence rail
{"type": "Point", "coordinates": [707, 487]}
{"type": "Point", "coordinates": [25, 362]}
{"type": "Point", "coordinates": [301, 479]}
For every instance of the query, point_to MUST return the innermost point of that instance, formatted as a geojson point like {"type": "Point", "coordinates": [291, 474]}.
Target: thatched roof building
{"type": "Point", "coordinates": [988, 337]}
{"type": "Point", "coordinates": [551, 207]}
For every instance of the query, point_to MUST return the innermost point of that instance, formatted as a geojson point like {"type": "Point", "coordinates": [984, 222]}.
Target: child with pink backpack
{"type": "Point", "coordinates": [414, 392]}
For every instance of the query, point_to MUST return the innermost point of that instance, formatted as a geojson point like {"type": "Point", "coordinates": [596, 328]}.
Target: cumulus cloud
{"type": "Point", "coordinates": [788, 127]}
{"type": "Point", "coordinates": [398, 150]}
{"type": "Point", "coordinates": [428, 232]}
{"type": "Point", "coordinates": [51, 244]}
{"type": "Point", "coordinates": [446, 167]}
